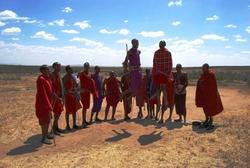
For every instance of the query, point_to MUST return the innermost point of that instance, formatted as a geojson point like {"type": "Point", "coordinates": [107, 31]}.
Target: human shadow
{"type": "Point", "coordinates": [30, 145]}
{"type": "Point", "coordinates": [151, 138]}
{"type": "Point", "coordinates": [143, 122]}
{"type": "Point", "coordinates": [201, 130]}
{"type": "Point", "coordinates": [115, 122]}
{"type": "Point", "coordinates": [119, 136]}
{"type": "Point", "coordinates": [174, 125]}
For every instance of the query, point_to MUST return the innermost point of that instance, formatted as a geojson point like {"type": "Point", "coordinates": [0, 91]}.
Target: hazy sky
{"type": "Point", "coordinates": [75, 31]}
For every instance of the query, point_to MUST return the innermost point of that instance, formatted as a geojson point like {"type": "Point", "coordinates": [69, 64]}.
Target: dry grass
{"type": "Point", "coordinates": [172, 145]}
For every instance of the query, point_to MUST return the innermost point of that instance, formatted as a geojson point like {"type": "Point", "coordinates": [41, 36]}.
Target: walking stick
{"type": "Point", "coordinates": [51, 124]}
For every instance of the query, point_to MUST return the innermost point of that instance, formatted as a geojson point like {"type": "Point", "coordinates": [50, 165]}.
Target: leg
{"type": "Point", "coordinates": [84, 116]}
{"type": "Point", "coordinates": [171, 113]}
{"type": "Point", "coordinates": [45, 139]}
{"type": "Point", "coordinates": [210, 125]}
{"type": "Point", "coordinates": [158, 95]}
{"type": "Point", "coordinates": [153, 111]}
{"type": "Point", "coordinates": [161, 118]}
{"type": "Point", "coordinates": [67, 121]}
{"type": "Point", "coordinates": [96, 117]}
{"type": "Point", "coordinates": [113, 112]}
{"type": "Point", "coordinates": [185, 118]}
{"type": "Point", "coordinates": [84, 122]}
{"type": "Point", "coordinates": [75, 126]}
{"type": "Point", "coordinates": [165, 98]}
{"type": "Point", "coordinates": [55, 124]}
{"type": "Point", "coordinates": [139, 113]}
{"type": "Point", "coordinates": [106, 112]}
{"type": "Point", "coordinates": [91, 117]}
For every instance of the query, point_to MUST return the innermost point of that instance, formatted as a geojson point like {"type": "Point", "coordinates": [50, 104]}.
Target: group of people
{"type": "Point", "coordinates": [159, 89]}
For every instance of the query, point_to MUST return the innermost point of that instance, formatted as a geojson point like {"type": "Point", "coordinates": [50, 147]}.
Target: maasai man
{"type": "Point", "coordinates": [127, 99]}
{"type": "Point", "coordinates": [133, 64]}
{"type": "Point", "coordinates": [43, 104]}
{"type": "Point", "coordinates": [162, 74]}
{"type": "Point", "coordinates": [72, 104]}
{"type": "Point", "coordinates": [97, 101]}
{"type": "Point", "coordinates": [113, 94]}
{"type": "Point", "coordinates": [180, 83]}
{"type": "Point", "coordinates": [207, 96]}
{"type": "Point", "coordinates": [57, 96]}
{"type": "Point", "coordinates": [87, 87]}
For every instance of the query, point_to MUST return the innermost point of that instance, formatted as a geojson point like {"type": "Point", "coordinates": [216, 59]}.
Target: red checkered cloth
{"type": "Point", "coordinates": [162, 62]}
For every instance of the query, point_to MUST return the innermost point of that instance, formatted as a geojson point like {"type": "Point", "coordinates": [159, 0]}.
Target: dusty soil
{"type": "Point", "coordinates": [136, 143]}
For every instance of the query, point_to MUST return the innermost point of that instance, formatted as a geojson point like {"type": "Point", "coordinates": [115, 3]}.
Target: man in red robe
{"type": "Point", "coordinates": [163, 79]}
{"type": "Point", "coordinates": [88, 87]}
{"type": "Point", "coordinates": [207, 96]}
{"type": "Point", "coordinates": [57, 96]}
{"type": "Point", "coordinates": [44, 102]}
{"type": "Point", "coordinates": [113, 94]}
{"type": "Point", "coordinates": [127, 99]}
{"type": "Point", "coordinates": [72, 104]}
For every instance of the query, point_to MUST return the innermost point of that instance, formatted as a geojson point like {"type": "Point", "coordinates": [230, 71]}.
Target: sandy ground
{"type": "Point", "coordinates": [136, 143]}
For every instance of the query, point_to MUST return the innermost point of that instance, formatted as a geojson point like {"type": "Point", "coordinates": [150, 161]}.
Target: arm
{"type": "Point", "coordinates": [170, 64]}
{"type": "Point", "coordinates": [186, 83]}
{"type": "Point", "coordinates": [45, 99]}
{"type": "Point", "coordinates": [125, 62]}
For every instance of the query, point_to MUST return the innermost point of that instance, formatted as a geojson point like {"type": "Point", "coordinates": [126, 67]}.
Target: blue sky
{"type": "Point", "coordinates": [74, 31]}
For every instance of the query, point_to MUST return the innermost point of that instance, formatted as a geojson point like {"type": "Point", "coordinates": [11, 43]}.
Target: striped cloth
{"type": "Point", "coordinates": [162, 63]}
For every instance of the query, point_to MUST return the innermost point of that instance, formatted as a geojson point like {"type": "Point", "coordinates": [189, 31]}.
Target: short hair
{"type": "Point", "coordinates": [55, 64]}
{"type": "Point", "coordinates": [206, 65]}
{"type": "Point", "coordinates": [86, 64]}
{"type": "Point", "coordinates": [162, 43]}
{"type": "Point", "coordinates": [43, 67]}
{"type": "Point", "coordinates": [67, 68]}
{"type": "Point", "coordinates": [178, 65]}
{"type": "Point", "coordinates": [97, 67]}
{"type": "Point", "coordinates": [134, 40]}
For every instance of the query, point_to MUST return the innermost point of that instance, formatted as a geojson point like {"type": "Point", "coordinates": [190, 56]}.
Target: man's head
{"type": "Point", "coordinates": [56, 66]}
{"type": "Point", "coordinates": [178, 67]}
{"type": "Point", "coordinates": [86, 66]}
{"type": "Point", "coordinates": [112, 74]}
{"type": "Point", "coordinates": [44, 69]}
{"type": "Point", "coordinates": [162, 44]}
{"type": "Point", "coordinates": [147, 71]}
{"type": "Point", "coordinates": [135, 43]}
{"type": "Point", "coordinates": [68, 69]}
{"type": "Point", "coordinates": [205, 68]}
{"type": "Point", "coordinates": [97, 69]}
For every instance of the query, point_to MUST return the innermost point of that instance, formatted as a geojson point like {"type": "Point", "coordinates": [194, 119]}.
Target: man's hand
{"type": "Point", "coordinates": [50, 114]}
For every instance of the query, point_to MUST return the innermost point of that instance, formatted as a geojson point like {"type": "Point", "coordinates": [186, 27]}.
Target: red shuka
{"type": "Point", "coordinates": [112, 91]}
{"type": "Point", "coordinates": [170, 92]}
{"type": "Point", "coordinates": [43, 99]}
{"type": "Point", "coordinates": [125, 86]}
{"type": "Point", "coordinates": [207, 95]}
{"type": "Point", "coordinates": [142, 93]}
{"type": "Point", "coordinates": [87, 84]}
{"type": "Point", "coordinates": [57, 90]}
{"type": "Point", "coordinates": [71, 102]}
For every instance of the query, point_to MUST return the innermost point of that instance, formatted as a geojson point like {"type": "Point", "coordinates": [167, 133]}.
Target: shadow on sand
{"type": "Point", "coordinates": [200, 130]}
{"type": "Point", "coordinates": [30, 145]}
{"type": "Point", "coordinates": [151, 138]}
{"type": "Point", "coordinates": [170, 125]}
{"type": "Point", "coordinates": [119, 136]}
